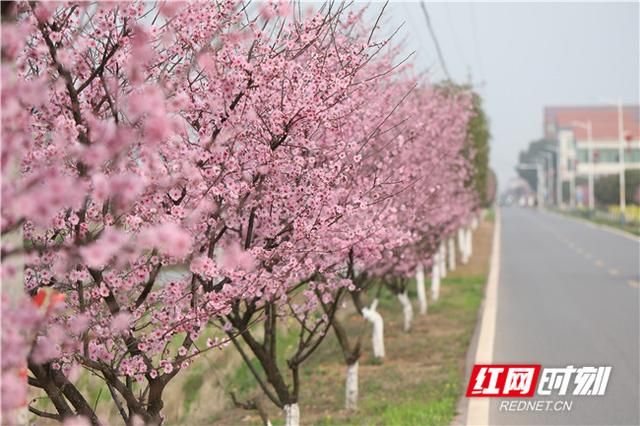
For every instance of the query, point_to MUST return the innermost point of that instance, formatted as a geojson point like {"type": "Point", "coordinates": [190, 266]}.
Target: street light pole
{"type": "Point", "coordinates": [572, 185]}
{"type": "Point", "coordinates": [588, 127]}
{"type": "Point", "coordinates": [548, 159]}
{"type": "Point", "coordinates": [556, 151]}
{"type": "Point", "coordinates": [592, 198]}
{"type": "Point", "coordinates": [623, 200]}
{"type": "Point", "coordinates": [542, 183]}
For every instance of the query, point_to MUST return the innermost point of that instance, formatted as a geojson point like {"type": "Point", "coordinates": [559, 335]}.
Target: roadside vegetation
{"type": "Point", "coordinates": [612, 218]}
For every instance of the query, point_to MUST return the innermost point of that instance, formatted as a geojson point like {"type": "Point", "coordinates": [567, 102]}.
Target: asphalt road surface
{"type": "Point", "coordinates": [569, 294]}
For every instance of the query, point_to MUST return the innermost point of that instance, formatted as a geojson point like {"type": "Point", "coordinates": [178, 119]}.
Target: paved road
{"type": "Point", "coordinates": [569, 294]}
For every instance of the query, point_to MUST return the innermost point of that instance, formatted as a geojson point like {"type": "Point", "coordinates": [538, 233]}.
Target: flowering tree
{"type": "Point", "coordinates": [302, 276]}
{"type": "Point", "coordinates": [131, 106]}
{"type": "Point", "coordinates": [427, 198]}
{"type": "Point", "coordinates": [270, 161]}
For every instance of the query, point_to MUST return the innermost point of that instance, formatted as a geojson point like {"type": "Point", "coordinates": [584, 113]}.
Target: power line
{"type": "Point", "coordinates": [476, 41]}
{"type": "Point", "coordinates": [435, 40]}
{"type": "Point", "coordinates": [456, 42]}
{"type": "Point", "coordinates": [422, 54]}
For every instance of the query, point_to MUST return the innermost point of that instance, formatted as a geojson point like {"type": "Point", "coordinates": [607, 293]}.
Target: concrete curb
{"type": "Point", "coordinates": [600, 226]}
{"type": "Point", "coordinates": [475, 411]}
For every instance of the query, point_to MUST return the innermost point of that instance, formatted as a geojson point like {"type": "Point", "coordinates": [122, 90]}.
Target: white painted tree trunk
{"type": "Point", "coordinates": [407, 310]}
{"type": "Point", "coordinates": [377, 336]}
{"type": "Point", "coordinates": [452, 254]}
{"type": "Point", "coordinates": [351, 397]}
{"type": "Point", "coordinates": [443, 259]}
{"type": "Point", "coordinates": [420, 289]}
{"type": "Point", "coordinates": [465, 245]}
{"type": "Point", "coordinates": [292, 415]}
{"type": "Point", "coordinates": [269, 423]}
{"type": "Point", "coordinates": [462, 245]}
{"type": "Point", "coordinates": [435, 279]}
{"type": "Point", "coordinates": [474, 223]}
{"type": "Point", "coordinates": [469, 243]}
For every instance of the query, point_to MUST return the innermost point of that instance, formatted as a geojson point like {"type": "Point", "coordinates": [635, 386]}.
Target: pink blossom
{"type": "Point", "coordinates": [104, 290]}
{"type": "Point", "coordinates": [168, 238]}
{"type": "Point", "coordinates": [44, 350]}
{"type": "Point", "coordinates": [234, 257]}
{"type": "Point", "coordinates": [99, 253]}
{"type": "Point", "coordinates": [55, 36]}
{"type": "Point", "coordinates": [204, 266]}
{"type": "Point", "coordinates": [13, 390]}
{"type": "Point", "coordinates": [121, 322]}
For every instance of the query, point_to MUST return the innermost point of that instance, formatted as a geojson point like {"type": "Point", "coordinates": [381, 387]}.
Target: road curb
{"type": "Point", "coordinates": [475, 411]}
{"type": "Point", "coordinates": [600, 226]}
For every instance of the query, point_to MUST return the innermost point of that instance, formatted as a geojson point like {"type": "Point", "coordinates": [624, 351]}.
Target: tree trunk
{"type": "Point", "coordinates": [469, 243]}
{"type": "Point", "coordinates": [462, 245]}
{"type": "Point", "coordinates": [422, 294]}
{"type": "Point", "coordinates": [351, 387]}
{"type": "Point", "coordinates": [371, 315]}
{"type": "Point", "coordinates": [351, 356]}
{"type": "Point", "coordinates": [452, 254]}
{"type": "Point", "coordinates": [263, 413]}
{"type": "Point", "coordinates": [443, 259]}
{"type": "Point", "coordinates": [292, 414]}
{"type": "Point", "coordinates": [474, 223]}
{"type": "Point", "coordinates": [407, 310]}
{"type": "Point", "coordinates": [435, 279]}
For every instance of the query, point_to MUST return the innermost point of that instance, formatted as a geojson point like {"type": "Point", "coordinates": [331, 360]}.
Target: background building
{"type": "Point", "coordinates": [570, 132]}
{"type": "Point", "coordinates": [573, 127]}
{"type": "Point", "coordinates": [604, 135]}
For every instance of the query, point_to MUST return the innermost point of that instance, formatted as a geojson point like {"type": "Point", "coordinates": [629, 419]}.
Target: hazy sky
{"type": "Point", "coordinates": [523, 56]}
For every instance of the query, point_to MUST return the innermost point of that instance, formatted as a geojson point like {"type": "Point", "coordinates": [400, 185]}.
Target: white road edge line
{"type": "Point", "coordinates": [606, 228]}
{"type": "Point", "coordinates": [478, 408]}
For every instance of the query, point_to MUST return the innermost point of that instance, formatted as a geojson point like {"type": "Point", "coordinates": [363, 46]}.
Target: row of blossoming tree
{"type": "Point", "coordinates": [179, 177]}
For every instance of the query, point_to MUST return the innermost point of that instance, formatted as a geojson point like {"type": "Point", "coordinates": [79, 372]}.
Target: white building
{"type": "Point", "coordinates": [579, 129]}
